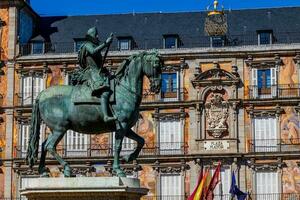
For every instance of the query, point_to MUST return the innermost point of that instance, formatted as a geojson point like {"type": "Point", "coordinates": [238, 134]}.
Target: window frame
{"type": "Point", "coordinates": [30, 90]}
{"type": "Point", "coordinates": [259, 37]}
{"type": "Point", "coordinates": [258, 92]}
{"type": "Point", "coordinates": [174, 195]}
{"type": "Point", "coordinates": [213, 38]}
{"type": "Point", "coordinates": [125, 39]}
{"type": "Point", "coordinates": [172, 95]}
{"type": "Point", "coordinates": [33, 49]}
{"type": "Point", "coordinates": [266, 190]}
{"type": "Point", "coordinates": [262, 127]}
{"type": "Point", "coordinates": [175, 37]}
{"type": "Point", "coordinates": [167, 130]}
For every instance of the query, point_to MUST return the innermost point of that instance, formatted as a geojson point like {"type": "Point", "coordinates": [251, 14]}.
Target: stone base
{"type": "Point", "coordinates": [84, 188]}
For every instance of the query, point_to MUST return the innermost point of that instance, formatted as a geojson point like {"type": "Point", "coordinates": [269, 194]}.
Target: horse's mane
{"type": "Point", "coordinates": [123, 67]}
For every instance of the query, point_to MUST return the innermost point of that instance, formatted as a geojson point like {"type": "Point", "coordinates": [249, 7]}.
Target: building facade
{"type": "Point", "coordinates": [232, 98]}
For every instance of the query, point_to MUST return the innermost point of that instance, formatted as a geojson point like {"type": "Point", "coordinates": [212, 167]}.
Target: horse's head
{"type": "Point", "coordinates": [152, 69]}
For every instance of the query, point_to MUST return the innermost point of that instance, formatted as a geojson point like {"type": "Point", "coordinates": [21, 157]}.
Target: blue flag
{"type": "Point", "coordinates": [235, 191]}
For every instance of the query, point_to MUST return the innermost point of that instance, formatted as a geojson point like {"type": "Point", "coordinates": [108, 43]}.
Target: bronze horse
{"type": "Point", "coordinates": [55, 106]}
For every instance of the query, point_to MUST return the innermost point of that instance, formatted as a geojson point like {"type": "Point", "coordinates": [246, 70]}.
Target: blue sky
{"type": "Point", "coordinates": [87, 7]}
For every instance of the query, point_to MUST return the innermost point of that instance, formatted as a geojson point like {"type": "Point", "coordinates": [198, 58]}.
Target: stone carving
{"type": "Point", "coordinates": [216, 115]}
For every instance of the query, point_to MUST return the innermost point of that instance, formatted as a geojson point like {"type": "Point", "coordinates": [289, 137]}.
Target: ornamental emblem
{"type": "Point", "coordinates": [216, 115]}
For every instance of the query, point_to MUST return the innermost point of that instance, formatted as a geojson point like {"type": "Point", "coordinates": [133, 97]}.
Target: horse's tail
{"type": "Point", "coordinates": [33, 143]}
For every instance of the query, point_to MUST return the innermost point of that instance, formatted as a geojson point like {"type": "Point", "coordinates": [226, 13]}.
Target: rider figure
{"type": "Point", "coordinates": [90, 59]}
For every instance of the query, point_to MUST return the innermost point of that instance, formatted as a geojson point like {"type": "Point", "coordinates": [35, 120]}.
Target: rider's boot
{"type": "Point", "coordinates": [104, 106]}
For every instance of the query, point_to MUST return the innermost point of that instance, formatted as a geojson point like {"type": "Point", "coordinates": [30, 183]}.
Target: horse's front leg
{"type": "Point", "coordinates": [140, 143]}
{"type": "Point", "coordinates": [117, 148]}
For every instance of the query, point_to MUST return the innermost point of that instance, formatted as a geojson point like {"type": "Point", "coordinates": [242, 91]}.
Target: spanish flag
{"type": "Point", "coordinates": [203, 183]}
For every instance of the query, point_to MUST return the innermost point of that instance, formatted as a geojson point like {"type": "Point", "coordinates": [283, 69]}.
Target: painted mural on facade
{"type": "Point", "coordinates": [3, 81]}
{"type": "Point", "coordinates": [291, 177]}
{"type": "Point", "coordinates": [56, 77]}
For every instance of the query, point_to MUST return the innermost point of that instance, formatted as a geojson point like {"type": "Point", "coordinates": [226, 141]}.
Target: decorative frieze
{"type": "Point", "coordinates": [270, 166]}
{"type": "Point", "coordinates": [169, 116]}
{"type": "Point", "coordinates": [268, 112]}
{"type": "Point", "coordinates": [265, 63]}
{"type": "Point", "coordinates": [171, 168]}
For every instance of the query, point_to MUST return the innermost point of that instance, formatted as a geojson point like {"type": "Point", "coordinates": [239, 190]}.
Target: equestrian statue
{"type": "Point", "coordinates": [86, 106]}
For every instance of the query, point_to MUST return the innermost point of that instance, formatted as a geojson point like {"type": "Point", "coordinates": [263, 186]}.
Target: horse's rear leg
{"type": "Point", "coordinates": [51, 144]}
{"type": "Point", "coordinates": [42, 168]}
{"type": "Point", "coordinates": [140, 143]}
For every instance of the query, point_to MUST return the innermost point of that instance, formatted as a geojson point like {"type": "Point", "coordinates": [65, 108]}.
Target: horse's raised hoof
{"type": "Point", "coordinates": [67, 171]}
{"type": "Point", "coordinates": [128, 158]}
{"type": "Point", "coordinates": [119, 172]}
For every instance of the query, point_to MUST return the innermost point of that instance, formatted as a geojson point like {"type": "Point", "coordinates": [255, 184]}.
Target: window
{"type": "Point", "coordinates": [76, 143]}
{"type": "Point", "coordinates": [265, 134]}
{"type": "Point", "coordinates": [78, 43]}
{"type": "Point", "coordinates": [264, 83]}
{"type": "Point", "coordinates": [32, 86]}
{"type": "Point", "coordinates": [217, 41]}
{"type": "Point", "coordinates": [267, 183]}
{"type": "Point", "coordinates": [171, 187]}
{"type": "Point", "coordinates": [25, 133]}
{"type": "Point", "coordinates": [265, 37]}
{"type": "Point", "coordinates": [124, 44]}
{"type": "Point", "coordinates": [169, 87]}
{"type": "Point", "coordinates": [37, 47]}
{"type": "Point", "coordinates": [224, 186]}
{"type": "Point", "coordinates": [170, 137]}
{"type": "Point", "coordinates": [170, 41]}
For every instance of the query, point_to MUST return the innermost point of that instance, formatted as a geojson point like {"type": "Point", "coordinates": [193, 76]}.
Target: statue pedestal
{"type": "Point", "coordinates": [84, 188]}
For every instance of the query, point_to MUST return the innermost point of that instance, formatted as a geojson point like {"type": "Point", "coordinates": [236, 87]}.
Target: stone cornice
{"type": "Point", "coordinates": [188, 53]}
{"type": "Point", "coordinates": [254, 112]}
{"type": "Point", "coordinates": [264, 63]}
{"type": "Point", "coordinates": [169, 116]}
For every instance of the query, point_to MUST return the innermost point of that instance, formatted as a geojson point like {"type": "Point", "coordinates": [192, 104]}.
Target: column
{"type": "Point", "coordinates": [12, 42]}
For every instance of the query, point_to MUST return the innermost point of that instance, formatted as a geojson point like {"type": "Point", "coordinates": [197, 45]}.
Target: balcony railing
{"type": "Point", "coordinates": [107, 150]}
{"type": "Point", "coordinates": [191, 42]}
{"type": "Point", "coordinates": [279, 91]}
{"type": "Point", "coordinates": [175, 94]}
{"type": "Point", "coordinates": [274, 145]}
{"type": "Point", "coordinates": [26, 99]}
{"type": "Point", "coordinates": [286, 196]}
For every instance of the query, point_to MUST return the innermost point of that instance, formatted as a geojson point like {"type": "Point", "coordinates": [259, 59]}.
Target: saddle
{"type": "Point", "coordinates": [83, 95]}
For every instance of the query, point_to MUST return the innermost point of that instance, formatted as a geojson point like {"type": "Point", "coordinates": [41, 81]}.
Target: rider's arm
{"type": "Point", "coordinates": [93, 50]}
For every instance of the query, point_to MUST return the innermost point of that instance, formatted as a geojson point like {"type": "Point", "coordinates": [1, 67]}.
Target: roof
{"type": "Point", "coordinates": [148, 29]}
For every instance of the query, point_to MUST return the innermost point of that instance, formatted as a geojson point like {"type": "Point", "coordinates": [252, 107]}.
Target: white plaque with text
{"type": "Point", "coordinates": [216, 145]}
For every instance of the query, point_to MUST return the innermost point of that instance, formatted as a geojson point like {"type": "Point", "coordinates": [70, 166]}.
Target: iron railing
{"type": "Point", "coordinates": [26, 98]}
{"type": "Point", "coordinates": [185, 41]}
{"type": "Point", "coordinates": [107, 150]}
{"type": "Point", "coordinates": [171, 95]}
{"type": "Point", "coordinates": [283, 196]}
{"type": "Point", "coordinates": [274, 145]}
{"type": "Point", "coordinates": [279, 91]}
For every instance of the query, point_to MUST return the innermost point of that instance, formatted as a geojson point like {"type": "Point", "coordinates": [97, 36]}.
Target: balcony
{"type": "Point", "coordinates": [173, 95]}
{"type": "Point", "coordinates": [274, 145]}
{"type": "Point", "coordinates": [192, 42]}
{"type": "Point", "coordinates": [280, 91]}
{"type": "Point", "coordinates": [106, 150]}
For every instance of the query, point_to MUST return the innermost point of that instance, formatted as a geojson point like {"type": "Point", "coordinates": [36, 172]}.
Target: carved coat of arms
{"type": "Point", "coordinates": [216, 115]}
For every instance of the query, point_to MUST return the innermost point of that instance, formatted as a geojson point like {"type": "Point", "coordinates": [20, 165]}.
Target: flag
{"type": "Point", "coordinates": [209, 193]}
{"type": "Point", "coordinates": [196, 188]}
{"type": "Point", "coordinates": [235, 191]}
{"type": "Point", "coordinates": [200, 191]}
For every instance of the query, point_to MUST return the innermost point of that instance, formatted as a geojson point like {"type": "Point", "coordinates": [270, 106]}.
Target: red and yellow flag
{"type": "Point", "coordinates": [203, 184]}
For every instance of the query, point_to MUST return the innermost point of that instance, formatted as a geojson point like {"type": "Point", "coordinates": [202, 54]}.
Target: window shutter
{"type": "Point", "coordinates": [27, 90]}
{"type": "Point", "coordinates": [266, 183]}
{"type": "Point", "coordinates": [25, 131]}
{"type": "Point", "coordinates": [171, 186]}
{"type": "Point", "coordinates": [254, 83]}
{"type": "Point", "coordinates": [38, 86]}
{"type": "Point", "coordinates": [274, 82]}
{"type": "Point", "coordinates": [76, 142]}
{"type": "Point", "coordinates": [170, 137]}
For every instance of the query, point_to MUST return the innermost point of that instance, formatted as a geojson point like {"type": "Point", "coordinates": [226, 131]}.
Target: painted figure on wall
{"type": "Point", "coordinates": [290, 127]}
